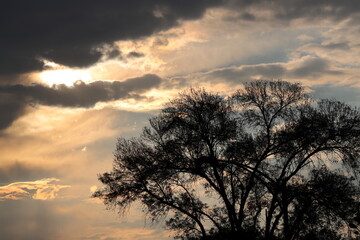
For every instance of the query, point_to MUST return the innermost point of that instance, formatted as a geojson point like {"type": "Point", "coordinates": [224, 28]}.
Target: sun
{"type": "Point", "coordinates": [65, 76]}
{"type": "Point", "coordinates": [58, 74]}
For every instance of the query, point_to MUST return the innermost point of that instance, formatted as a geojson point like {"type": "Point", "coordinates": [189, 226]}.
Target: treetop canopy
{"type": "Point", "coordinates": [267, 162]}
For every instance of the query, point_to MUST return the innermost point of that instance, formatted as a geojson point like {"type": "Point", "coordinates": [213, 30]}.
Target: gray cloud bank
{"type": "Point", "coordinates": [72, 32]}
{"type": "Point", "coordinates": [69, 32]}
{"type": "Point", "coordinates": [13, 99]}
{"type": "Point", "coordinates": [286, 10]}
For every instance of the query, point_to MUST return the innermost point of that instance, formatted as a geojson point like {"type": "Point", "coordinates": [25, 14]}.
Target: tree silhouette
{"type": "Point", "coordinates": [265, 163]}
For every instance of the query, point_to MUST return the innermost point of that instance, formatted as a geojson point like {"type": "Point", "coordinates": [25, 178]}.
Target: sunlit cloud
{"type": "Point", "coordinates": [43, 189]}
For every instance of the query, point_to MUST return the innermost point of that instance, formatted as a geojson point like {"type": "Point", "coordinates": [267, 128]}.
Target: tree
{"type": "Point", "coordinates": [265, 163]}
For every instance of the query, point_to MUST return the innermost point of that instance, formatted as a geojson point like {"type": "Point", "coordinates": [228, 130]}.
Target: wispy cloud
{"type": "Point", "coordinates": [43, 189]}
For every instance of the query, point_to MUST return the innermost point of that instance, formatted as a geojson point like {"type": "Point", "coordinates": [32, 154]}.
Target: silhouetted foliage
{"type": "Point", "coordinates": [265, 163]}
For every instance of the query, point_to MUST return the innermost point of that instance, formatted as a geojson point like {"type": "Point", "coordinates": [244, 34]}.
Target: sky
{"type": "Point", "coordinates": [76, 75]}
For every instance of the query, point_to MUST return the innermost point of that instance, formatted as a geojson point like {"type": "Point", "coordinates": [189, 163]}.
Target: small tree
{"type": "Point", "coordinates": [265, 163]}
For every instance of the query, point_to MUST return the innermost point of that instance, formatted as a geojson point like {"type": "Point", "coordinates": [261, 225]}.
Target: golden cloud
{"type": "Point", "coordinates": [43, 189]}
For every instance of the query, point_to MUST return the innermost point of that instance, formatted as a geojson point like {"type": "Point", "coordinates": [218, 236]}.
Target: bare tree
{"type": "Point", "coordinates": [265, 163]}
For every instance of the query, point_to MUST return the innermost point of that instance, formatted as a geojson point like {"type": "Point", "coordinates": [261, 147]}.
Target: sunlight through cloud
{"type": "Point", "coordinates": [65, 76]}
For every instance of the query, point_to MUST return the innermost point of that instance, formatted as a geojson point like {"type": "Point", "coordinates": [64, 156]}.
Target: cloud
{"type": "Point", "coordinates": [17, 171]}
{"type": "Point", "coordinates": [244, 73]}
{"type": "Point", "coordinates": [340, 44]}
{"type": "Point", "coordinates": [45, 189]}
{"type": "Point", "coordinates": [11, 107]}
{"type": "Point", "coordinates": [299, 69]}
{"type": "Point", "coordinates": [16, 97]}
{"type": "Point", "coordinates": [69, 32]}
{"type": "Point", "coordinates": [284, 10]}
{"type": "Point", "coordinates": [312, 67]}
{"type": "Point", "coordinates": [74, 33]}
{"type": "Point", "coordinates": [135, 55]}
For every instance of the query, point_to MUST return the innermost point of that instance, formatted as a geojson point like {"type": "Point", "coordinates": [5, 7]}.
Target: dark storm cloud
{"type": "Point", "coordinates": [14, 98]}
{"type": "Point", "coordinates": [317, 9]}
{"type": "Point", "coordinates": [286, 10]}
{"type": "Point", "coordinates": [69, 32]}
{"type": "Point", "coordinates": [72, 32]}
{"type": "Point", "coordinates": [313, 67]}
